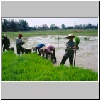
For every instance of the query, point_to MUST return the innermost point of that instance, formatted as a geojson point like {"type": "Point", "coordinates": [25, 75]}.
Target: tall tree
{"type": "Point", "coordinates": [12, 25]}
{"type": "Point", "coordinates": [52, 26]}
{"type": "Point", "coordinates": [45, 26]}
{"type": "Point", "coordinates": [4, 25]}
{"type": "Point", "coordinates": [63, 26]}
{"type": "Point", "coordinates": [23, 25]}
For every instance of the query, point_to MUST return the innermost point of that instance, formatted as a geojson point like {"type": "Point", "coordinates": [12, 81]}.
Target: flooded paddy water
{"type": "Point", "coordinates": [86, 56]}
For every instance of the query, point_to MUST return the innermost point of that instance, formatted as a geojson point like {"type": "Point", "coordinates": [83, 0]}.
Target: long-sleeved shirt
{"type": "Point", "coordinates": [70, 44]}
{"type": "Point", "coordinates": [6, 42]}
{"type": "Point", "coordinates": [49, 47]}
{"type": "Point", "coordinates": [40, 45]}
{"type": "Point", "coordinates": [19, 42]}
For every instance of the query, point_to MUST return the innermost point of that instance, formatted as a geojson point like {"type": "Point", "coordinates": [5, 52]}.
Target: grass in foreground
{"type": "Point", "coordinates": [31, 67]}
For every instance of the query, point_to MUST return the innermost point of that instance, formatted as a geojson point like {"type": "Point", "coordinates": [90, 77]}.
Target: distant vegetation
{"type": "Point", "coordinates": [31, 67]}
{"type": "Point", "coordinates": [87, 32]}
{"type": "Point", "coordinates": [22, 25]}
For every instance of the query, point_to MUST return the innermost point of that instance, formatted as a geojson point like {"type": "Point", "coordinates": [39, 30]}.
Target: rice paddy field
{"type": "Point", "coordinates": [31, 67]}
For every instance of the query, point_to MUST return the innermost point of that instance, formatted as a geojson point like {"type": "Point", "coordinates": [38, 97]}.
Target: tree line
{"type": "Point", "coordinates": [22, 25]}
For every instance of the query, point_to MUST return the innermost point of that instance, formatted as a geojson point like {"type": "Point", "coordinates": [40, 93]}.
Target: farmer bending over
{"type": "Point", "coordinates": [48, 50]}
{"type": "Point", "coordinates": [19, 44]}
{"type": "Point", "coordinates": [37, 48]}
{"type": "Point", "coordinates": [5, 43]}
{"type": "Point", "coordinates": [69, 51]}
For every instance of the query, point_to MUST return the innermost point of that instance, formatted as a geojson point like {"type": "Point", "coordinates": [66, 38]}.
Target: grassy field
{"type": "Point", "coordinates": [31, 67]}
{"type": "Point", "coordinates": [87, 32]}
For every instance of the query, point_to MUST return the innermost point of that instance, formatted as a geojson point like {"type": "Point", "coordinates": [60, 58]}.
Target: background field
{"type": "Point", "coordinates": [86, 32]}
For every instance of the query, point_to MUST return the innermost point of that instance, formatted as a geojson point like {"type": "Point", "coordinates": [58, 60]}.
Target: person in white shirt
{"type": "Point", "coordinates": [19, 44]}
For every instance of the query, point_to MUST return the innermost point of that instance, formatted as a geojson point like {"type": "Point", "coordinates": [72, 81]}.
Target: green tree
{"type": "Point", "coordinates": [45, 26]}
{"type": "Point", "coordinates": [4, 25]}
{"type": "Point", "coordinates": [52, 26]}
{"type": "Point", "coordinates": [63, 26]}
{"type": "Point", "coordinates": [23, 25]}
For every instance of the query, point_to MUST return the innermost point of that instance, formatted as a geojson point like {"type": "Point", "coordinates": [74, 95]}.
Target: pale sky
{"type": "Point", "coordinates": [58, 21]}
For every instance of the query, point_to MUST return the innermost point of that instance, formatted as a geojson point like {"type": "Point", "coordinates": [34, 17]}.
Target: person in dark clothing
{"type": "Point", "coordinates": [19, 44]}
{"type": "Point", "coordinates": [5, 43]}
{"type": "Point", "coordinates": [69, 51]}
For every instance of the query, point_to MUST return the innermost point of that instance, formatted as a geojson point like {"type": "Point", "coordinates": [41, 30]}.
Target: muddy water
{"type": "Point", "coordinates": [86, 56]}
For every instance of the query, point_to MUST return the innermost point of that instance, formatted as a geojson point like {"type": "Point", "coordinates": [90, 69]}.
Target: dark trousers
{"type": "Point", "coordinates": [68, 54]}
{"type": "Point", "coordinates": [51, 54]}
{"type": "Point", "coordinates": [6, 47]}
{"type": "Point", "coordinates": [37, 50]}
{"type": "Point", "coordinates": [20, 49]}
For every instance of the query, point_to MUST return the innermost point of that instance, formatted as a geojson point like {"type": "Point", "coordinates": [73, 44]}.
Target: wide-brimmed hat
{"type": "Point", "coordinates": [20, 35]}
{"type": "Point", "coordinates": [70, 35]}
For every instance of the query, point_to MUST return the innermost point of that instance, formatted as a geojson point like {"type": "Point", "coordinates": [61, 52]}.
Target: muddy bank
{"type": "Point", "coordinates": [86, 56]}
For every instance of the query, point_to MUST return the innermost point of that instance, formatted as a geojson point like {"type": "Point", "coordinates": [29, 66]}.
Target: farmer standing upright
{"type": "Point", "coordinates": [5, 42]}
{"type": "Point", "coordinates": [69, 51]}
{"type": "Point", "coordinates": [19, 44]}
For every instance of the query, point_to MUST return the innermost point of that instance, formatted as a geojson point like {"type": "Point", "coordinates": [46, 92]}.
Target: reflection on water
{"type": "Point", "coordinates": [86, 56]}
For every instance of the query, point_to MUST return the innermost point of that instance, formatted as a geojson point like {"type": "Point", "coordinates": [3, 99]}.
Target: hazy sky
{"type": "Point", "coordinates": [58, 21]}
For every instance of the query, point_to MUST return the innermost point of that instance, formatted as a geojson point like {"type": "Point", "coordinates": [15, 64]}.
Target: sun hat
{"type": "Point", "coordinates": [70, 35]}
{"type": "Point", "coordinates": [20, 35]}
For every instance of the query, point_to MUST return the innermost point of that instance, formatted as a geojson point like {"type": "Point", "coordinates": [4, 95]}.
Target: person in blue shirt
{"type": "Point", "coordinates": [69, 51]}
{"type": "Point", "coordinates": [38, 46]}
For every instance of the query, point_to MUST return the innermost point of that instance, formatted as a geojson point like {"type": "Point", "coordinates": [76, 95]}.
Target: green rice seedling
{"type": "Point", "coordinates": [77, 40]}
{"type": "Point", "coordinates": [31, 67]}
